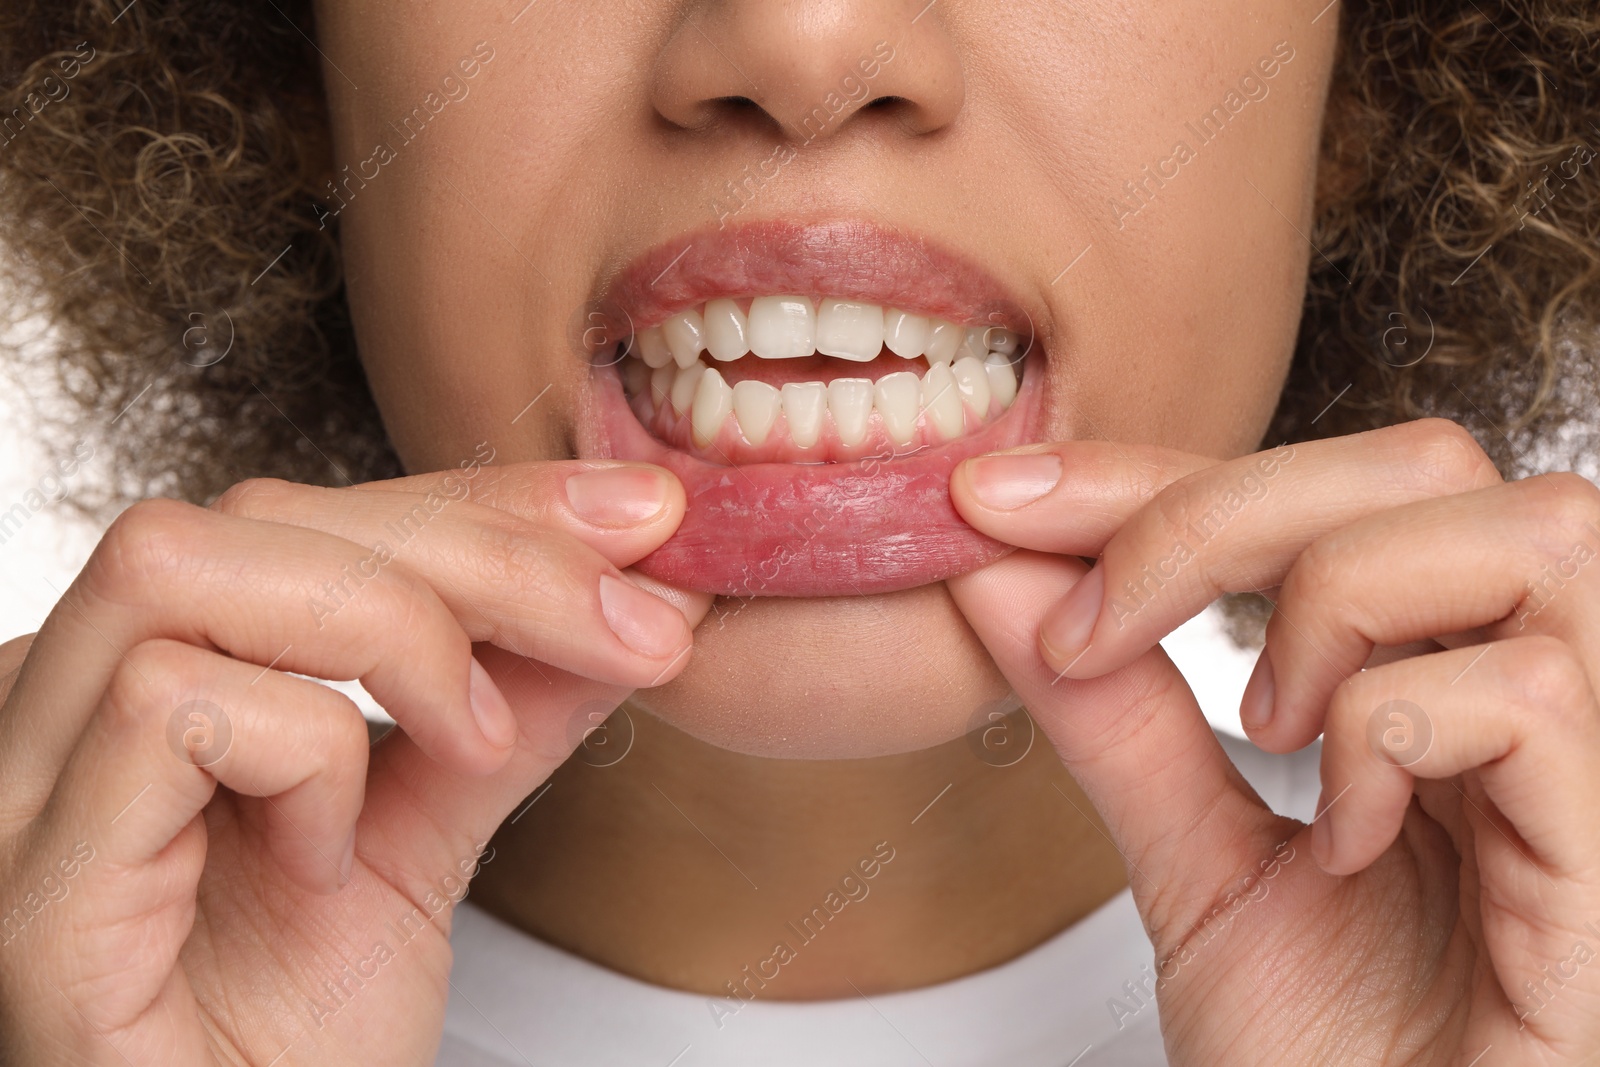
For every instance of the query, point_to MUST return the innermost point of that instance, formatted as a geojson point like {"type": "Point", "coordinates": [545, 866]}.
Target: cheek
{"type": "Point", "coordinates": [840, 678]}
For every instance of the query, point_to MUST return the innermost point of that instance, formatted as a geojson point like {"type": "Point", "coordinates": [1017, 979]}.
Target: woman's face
{"type": "Point", "coordinates": [525, 189]}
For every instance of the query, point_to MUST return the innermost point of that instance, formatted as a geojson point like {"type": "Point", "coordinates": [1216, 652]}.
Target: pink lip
{"type": "Point", "coordinates": [875, 525]}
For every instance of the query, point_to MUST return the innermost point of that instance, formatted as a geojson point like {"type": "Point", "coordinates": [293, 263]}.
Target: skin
{"type": "Point", "coordinates": [595, 134]}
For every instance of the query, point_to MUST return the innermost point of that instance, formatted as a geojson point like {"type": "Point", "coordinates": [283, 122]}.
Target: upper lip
{"type": "Point", "coordinates": [849, 260]}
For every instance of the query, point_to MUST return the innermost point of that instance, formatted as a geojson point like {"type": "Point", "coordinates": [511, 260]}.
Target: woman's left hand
{"type": "Point", "coordinates": [1438, 626]}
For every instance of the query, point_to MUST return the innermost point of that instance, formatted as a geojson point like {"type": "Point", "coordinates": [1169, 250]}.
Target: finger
{"type": "Point", "coordinates": [170, 570]}
{"type": "Point", "coordinates": [12, 653]}
{"type": "Point", "coordinates": [622, 510]}
{"type": "Point", "coordinates": [177, 720]}
{"type": "Point", "coordinates": [1499, 740]}
{"type": "Point", "coordinates": [424, 821]}
{"type": "Point", "coordinates": [1415, 572]}
{"type": "Point", "coordinates": [1183, 817]}
{"type": "Point", "coordinates": [1235, 527]}
{"type": "Point", "coordinates": [1067, 497]}
{"type": "Point", "coordinates": [1520, 713]}
{"type": "Point", "coordinates": [536, 590]}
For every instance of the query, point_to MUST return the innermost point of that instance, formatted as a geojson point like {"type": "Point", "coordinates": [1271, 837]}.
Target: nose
{"type": "Point", "coordinates": [810, 67]}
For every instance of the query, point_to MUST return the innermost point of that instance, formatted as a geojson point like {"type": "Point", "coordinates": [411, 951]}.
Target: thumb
{"type": "Point", "coordinates": [1185, 820]}
{"type": "Point", "coordinates": [423, 823]}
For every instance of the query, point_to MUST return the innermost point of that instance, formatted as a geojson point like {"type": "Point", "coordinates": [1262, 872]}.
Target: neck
{"type": "Point", "coordinates": [701, 869]}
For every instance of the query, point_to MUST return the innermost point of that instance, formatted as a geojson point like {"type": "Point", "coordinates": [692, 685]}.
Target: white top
{"type": "Point", "coordinates": [518, 1002]}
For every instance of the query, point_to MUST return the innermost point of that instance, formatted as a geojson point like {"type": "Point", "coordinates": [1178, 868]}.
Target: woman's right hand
{"type": "Point", "coordinates": [300, 914]}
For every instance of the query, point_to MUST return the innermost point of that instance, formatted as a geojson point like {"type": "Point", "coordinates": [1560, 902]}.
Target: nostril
{"type": "Point", "coordinates": [884, 103]}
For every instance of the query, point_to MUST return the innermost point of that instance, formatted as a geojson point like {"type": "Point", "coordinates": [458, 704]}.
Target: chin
{"type": "Point", "coordinates": [832, 677]}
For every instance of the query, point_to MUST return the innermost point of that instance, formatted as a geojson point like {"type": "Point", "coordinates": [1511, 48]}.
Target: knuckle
{"type": "Point", "coordinates": [1548, 678]}
{"type": "Point", "coordinates": [152, 679]}
{"type": "Point", "coordinates": [530, 561]}
{"type": "Point", "coordinates": [1181, 504]}
{"type": "Point", "coordinates": [146, 544]}
{"type": "Point", "coordinates": [1447, 457]}
{"type": "Point", "coordinates": [411, 609]}
{"type": "Point", "coordinates": [1567, 507]}
{"type": "Point", "coordinates": [1319, 571]}
{"type": "Point", "coordinates": [254, 497]}
{"type": "Point", "coordinates": [1185, 536]}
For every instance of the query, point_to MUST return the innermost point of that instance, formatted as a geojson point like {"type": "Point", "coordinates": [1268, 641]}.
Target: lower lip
{"type": "Point", "coordinates": [875, 525]}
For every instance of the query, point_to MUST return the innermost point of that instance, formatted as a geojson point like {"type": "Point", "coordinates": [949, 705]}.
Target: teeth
{"type": "Point", "coordinates": [713, 403]}
{"type": "Point", "coordinates": [897, 397]}
{"type": "Point", "coordinates": [969, 368]}
{"type": "Point", "coordinates": [972, 343]}
{"type": "Point", "coordinates": [791, 327]}
{"type": "Point", "coordinates": [848, 330]}
{"type": "Point", "coordinates": [850, 402]}
{"type": "Point", "coordinates": [942, 401]}
{"type": "Point", "coordinates": [998, 339]}
{"type": "Point", "coordinates": [683, 387]}
{"type": "Point", "coordinates": [943, 340]}
{"type": "Point", "coordinates": [685, 333]}
{"type": "Point", "coordinates": [782, 327]}
{"type": "Point", "coordinates": [972, 382]}
{"type": "Point", "coordinates": [803, 405]}
{"type": "Point", "coordinates": [1002, 379]}
{"type": "Point", "coordinates": [755, 405]}
{"type": "Point", "coordinates": [727, 330]}
{"type": "Point", "coordinates": [653, 348]}
{"type": "Point", "coordinates": [905, 334]}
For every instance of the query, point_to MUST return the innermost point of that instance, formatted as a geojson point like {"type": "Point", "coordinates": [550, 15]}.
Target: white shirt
{"type": "Point", "coordinates": [518, 1002]}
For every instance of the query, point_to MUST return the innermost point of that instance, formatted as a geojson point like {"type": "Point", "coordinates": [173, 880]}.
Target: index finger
{"type": "Point", "coordinates": [1066, 497]}
{"type": "Point", "coordinates": [542, 491]}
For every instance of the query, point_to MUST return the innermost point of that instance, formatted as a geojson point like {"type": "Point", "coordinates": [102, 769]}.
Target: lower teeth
{"type": "Point", "coordinates": [937, 406]}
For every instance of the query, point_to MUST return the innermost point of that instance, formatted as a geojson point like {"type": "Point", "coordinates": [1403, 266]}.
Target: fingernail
{"type": "Point", "coordinates": [1067, 628]}
{"type": "Point", "coordinates": [647, 624]}
{"type": "Point", "coordinates": [1255, 708]}
{"type": "Point", "coordinates": [489, 707]}
{"type": "Point", "coordinates": [1322, 834]}
{"type": "Point", "coordinates": [1008, 482]}
{"type": "Point", "coordinates": [618, 496]}
{"type": "Point", "coordinates": [347, 859]}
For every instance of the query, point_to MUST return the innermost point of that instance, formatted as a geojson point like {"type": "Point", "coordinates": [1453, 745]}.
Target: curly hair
{"type": "Point", "coordinates": [159, 164]}
{"type": "Point", "coordinates": [173, 179]}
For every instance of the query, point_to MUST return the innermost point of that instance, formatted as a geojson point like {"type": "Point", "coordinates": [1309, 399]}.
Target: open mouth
{"type": "Point", "coordinates": [813, 387]}
{"type": "Point", "coordinates": [786, 379]}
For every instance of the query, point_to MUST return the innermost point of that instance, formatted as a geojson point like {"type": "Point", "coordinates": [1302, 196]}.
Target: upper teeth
{"type": "Point", "coordinates": [789, 327]}
{"type": "Point", "coordinates": [969, 368]}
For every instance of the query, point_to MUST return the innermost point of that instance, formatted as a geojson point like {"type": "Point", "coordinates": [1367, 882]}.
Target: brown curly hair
{"type": "Point", "coordinates": [179, 176]}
